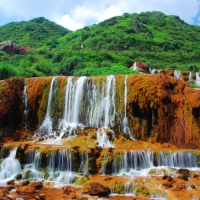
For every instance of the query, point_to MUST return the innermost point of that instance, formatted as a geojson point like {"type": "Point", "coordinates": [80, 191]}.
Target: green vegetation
{"type": "Point", "coordinates": [110, 47]}
{"type": "Point", "coordinates": [34, 33]}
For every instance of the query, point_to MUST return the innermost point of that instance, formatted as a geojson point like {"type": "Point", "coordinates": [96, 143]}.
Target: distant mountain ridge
{"type": "Point", "coordinates": [110, 47]}
{"type": "Point", "coordinates": [31, 33]}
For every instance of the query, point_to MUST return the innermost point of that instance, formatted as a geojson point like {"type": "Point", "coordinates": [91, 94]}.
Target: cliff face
{"type": "Point", "coordinates": [165, 109]}
{"type": "Point", "coordinates": [159, 108]}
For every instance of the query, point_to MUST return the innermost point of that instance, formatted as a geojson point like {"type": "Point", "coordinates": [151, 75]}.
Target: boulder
{"type": "Point", "coordinates": [37, 184]}
{"type": "Point", "coordinates": [3, 192]}
{"type": "Point", "coordinates": [26, 182]}
{"type": "Point", "coordinates": [26, 190]}
{"type": "Point", "coordinates": [142, 67]}
{"type": "Point", "coordinates": [183, 171]}
{"type": "Point", "coordinates": [97, 189]}
{"type": "Point", "coordinates": [18, 177]}
{"type": "Point", "coordinates": [11, 182]}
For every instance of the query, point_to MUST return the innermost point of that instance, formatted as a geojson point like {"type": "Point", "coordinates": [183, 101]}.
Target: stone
{"type": "Point", "coordinates": [169, 178]}
{"type": "Point", "coordinates": [26, 182]}
{"type": "Point", "coordinates": [3, 192]}
{"type": "Point", "coordinates": [168, 185]}
{"type": "Point", "coordinates": [181, 187]}
{"type": "Point", "coordinates": [37, 184]}
{"type": "Point", "coordinates": [164, 177]}
{"type": "Point", "coordinates": [97, 189]}
{"type": "Point", "coordinates": [183, 171]}
{"type": "Point", "coordinates": [18, 177]}
{"type": "Point", "coordinates": [11, 182]}
{"type": "Point", "coordinates": [67, 190]}
{"type": "Point", "coordinates": [26, 190]}
{"type": "Point", "coordinates": [42, 197]}
{"type": "Point", "coordinates": [195, 176]}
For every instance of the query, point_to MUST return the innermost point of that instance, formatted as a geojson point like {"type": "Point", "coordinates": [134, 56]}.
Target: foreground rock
{"type": "Point", "coordinates": [26, 190]}
{"type": "Point", "coordinates": [98, 189]}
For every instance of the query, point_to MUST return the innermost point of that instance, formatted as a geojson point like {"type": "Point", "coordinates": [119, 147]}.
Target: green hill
{"type": "Point", "coordinates": [110, 47]}
{"type": "Point", "coordinates": [34, 33]}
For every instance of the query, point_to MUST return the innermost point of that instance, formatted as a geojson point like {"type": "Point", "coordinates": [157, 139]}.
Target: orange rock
{"type": "Point", "coordinates": [26, 190]}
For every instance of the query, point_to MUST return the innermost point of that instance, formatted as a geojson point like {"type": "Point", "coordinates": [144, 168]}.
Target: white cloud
{"type": "Point", "coordinates": [69, 23]}
{"type": "Point", "coordinates": [110, 12]}
{"type": "Point", "coordinates": [78, 13]}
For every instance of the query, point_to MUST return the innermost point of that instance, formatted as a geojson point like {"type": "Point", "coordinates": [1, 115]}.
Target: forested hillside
{"type": "Point", "coordinates": [110, 47]}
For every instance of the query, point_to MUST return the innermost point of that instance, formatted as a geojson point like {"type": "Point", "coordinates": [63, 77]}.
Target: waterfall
{"type": "Point", "coordinates": [177, 159]}
{"type": "Point", "coordinates": [134, 66]}
{"type": "Point", "coordinates": [140, 159]}
{"type": "Point", "coordinates": [10, 166]}
{"type": "Point", "coordinates": [104, 164]}
{"type": "Point", "coordinates": [25, 100]}
{"type": "Point", "coordinates": [110, 101]}
{"type": "Point", "coordinates": [133, 160]}
{"type": "Point", "coordinates": [32, 170]}
{"type": "Point", "coordinates": [97, 100]}
{"type": "Point", "coordinates": [125, 120]}
{"type": "Point", "coordinates": [58, 167]}
{"type": "Point", "coordinates": [46, 127]}
{"type": "Point", "coordinates": [118, 163]}
{"type": "Point", "coordinates": [190, 76]}
{"type": "Point", "coordinates": [102, 139]}
{"type": "Point", "coordinates": [155, 71]}
{"type": "Point", "coordinates": [73, 102]}
{"type": "Point", "coordinates": [84, 163]}
{"type": "Point", "coordinates": [127, 188]}
{"type": "Point", "coordinates": [177, 74]}
{"type": "Point", "coordinates": [198, 78]}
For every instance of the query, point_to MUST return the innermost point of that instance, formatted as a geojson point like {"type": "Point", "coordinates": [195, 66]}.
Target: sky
{"type": "Point", "coordinates": [75, 14]}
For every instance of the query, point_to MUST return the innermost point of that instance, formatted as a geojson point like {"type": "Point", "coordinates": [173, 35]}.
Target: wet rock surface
{"type": "Point", "coordinates": [97, 189]}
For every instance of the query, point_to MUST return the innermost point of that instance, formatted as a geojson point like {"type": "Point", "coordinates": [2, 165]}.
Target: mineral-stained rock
{"type": "Point", "coordinates": [193, 186]}
{"type": "Point", "coordinates": [183, 171]}
{"type": "Point", "coordinates": [98, 189]}
{"type": "Point", "coordinates": [168, 184]}
{"type": "Point", "coordinates": [37, 184]}
{"type": "Point", "coordinates": [142, 67]}
{"type": "Point", "coordinates": [26, 190]}
{"type": "Point", "coordinates": [11, 182]}
{"type": "Point", "coordinates": [3, 192]}
{"type": "Point", "coordinates": [160, 108]}
{"type": "Point", "coordinates": [26, 182]}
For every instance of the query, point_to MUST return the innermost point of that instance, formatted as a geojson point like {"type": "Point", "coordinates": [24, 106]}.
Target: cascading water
{"type": "Point", "coordinates": [177, 74]}
{"type": "Point", "coordinates": [190, 76]}
{"type": "Point", "coordinates": [177, 159]}
{"type": "Point", "coordinates": [155, 71]}
{"type": "Point", "coordinates": [58, 167]}
{"type": "Point", "coordinates": [73, 102]}
{"type": "Point", "coordinates": [134, 67]}
{"type": "Point", "coordinates": [10, 167]}
{"type": "Point", "coordinates": [127, 188]}
{"type": "Point", "coordinates": [109, 107]}
{"type": "Point", "coordinates": [98, 101]}
{"type": "Point", "coordinates": [102, 139]}
{"type": "Point", "coordinates": [32, 169]}
{"type": "Point", "coordinates": [45, 129]}
{"type": "Point", "coordinates": [104, 164]}
{"type": "Point", "coordinates": [25, 99]}
{"type": "Point", "coordinates": [125, 120]}
{"type": "Point", "coordinates": [84, 163]}
{"type": "Point", "coordinates": [198, 78]}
